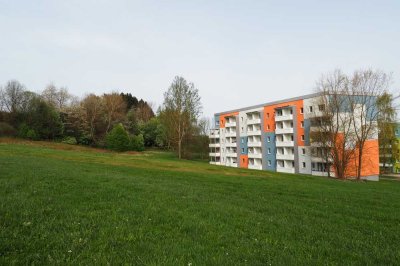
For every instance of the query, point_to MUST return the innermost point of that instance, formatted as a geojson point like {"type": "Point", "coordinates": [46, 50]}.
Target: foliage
{"type": "Point", "coordinates": [70, 140]}
{"type": "Point", "coordinates": [26, 132]}
{"type": "Point", "coordinates": [136, 143]}
{"type": "Point", "coordinates": [118, 139]}
{"type": "Point", "coordinates": [7, 130]}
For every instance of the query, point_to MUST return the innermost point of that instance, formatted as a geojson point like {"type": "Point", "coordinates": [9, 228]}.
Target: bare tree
{"type": "Point", "coordinates": [365, 89]}
{"type": "Point", "coordinates": [181, 109]}
{"type": "Point", "coordinates": [114, 107]}
{"type": "Point", "coordinates": [12, 96]}
{"type": "Point", "coordinates": [49, 94]}
{"type": "Point", "coordinates": [332, 124]}
{"type": "Point", "coordinates": [62, 98]}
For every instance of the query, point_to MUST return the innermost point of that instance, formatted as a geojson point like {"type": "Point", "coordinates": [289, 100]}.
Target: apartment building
{"type": "Point", "coordinates": [275, 136]}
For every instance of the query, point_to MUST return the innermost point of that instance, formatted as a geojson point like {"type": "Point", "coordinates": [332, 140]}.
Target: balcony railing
{"type": "Point", "coordinates": [230, 124]}
{"type": "Point", "coordinates": [284, 143]}
{"type": "Point", "coordinates": [230, 134]}
{"type": "Point", "coordinates": [254, 144]}
{"type": "Point", "coordinates": [230, 144]}
{"type": "Point", "coordinates": [215, 154]}
{"type": "Point", "coordinates": [253, 132]}
{"type": "Point", "coordinates": [283, 117]}
{"type": "Point", "coordinates": [231, 154]}
{"type": "Point", "coordinates": [214, 145]}
{"type": "Point", "coordinates": [254, 166]}
{"type": "Point", "coordinates": [254, 121]}
{"type": "Point", "coordinates": [284, 131]}
{"type": "Point", "coordinates": [285, 156]}
{"type": "Point", "coordinates": [255, 155]}
{"type": "Point", "coordinates": [285, 169]}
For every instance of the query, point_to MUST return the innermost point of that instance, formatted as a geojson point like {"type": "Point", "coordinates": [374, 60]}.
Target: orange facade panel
{"type": "Point", "coordinates": [370, 160]}
{"type": "Point", "coordinates": [269, 118]}
{"type": "Point", "coordinates": [244, 161]}
{"type": "Point", "coordinates": [222, 118]}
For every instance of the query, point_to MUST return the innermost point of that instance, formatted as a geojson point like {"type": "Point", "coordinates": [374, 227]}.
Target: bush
{"type": "Point", "coordinates": [25, 132]}
{"type": "Point", "coordinates": [118, 139]}
{"type": "Point", "coordinates": [7, 130]}
{"type": "Point", "coordinates": [70, 140]}
{"type": "Point", "coordinates": [137, 143]}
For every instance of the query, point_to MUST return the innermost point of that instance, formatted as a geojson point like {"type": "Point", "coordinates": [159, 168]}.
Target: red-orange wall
{"type": "Point", "coordinates": [222, 118]}
{"type": "Point", "coordinates": [370, 160]}
{"type": "Point", "coordinates": [244, 161]}
{"type": "Point", "coordinates": [271, 120]}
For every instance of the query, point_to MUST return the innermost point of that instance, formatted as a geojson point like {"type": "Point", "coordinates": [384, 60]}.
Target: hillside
{"type": "Point", "coordinates": [70, 204]}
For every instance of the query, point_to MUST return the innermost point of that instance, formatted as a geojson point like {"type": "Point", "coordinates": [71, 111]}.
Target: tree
{"type": "Point", "coordinates": [114, 108]}
{"type": "Point", "coordinates": [181, 109]}
{"type": "Point", "coordinates": [11, 96]}
{"type": "Point", "coordinates": [118, 139]}
{"type": "Point", "coordinates": [93, 107]}
{"type": "Point", "coordinates": [331, 126]}
{"type": "Point", "coordinates": [59, 98]}
{"type": "Point", "coordinates": [367, 86]}
{"type": "Point", "coordinates": [49, 94]}
{"type": "Point", "coordinates": [386, 120]}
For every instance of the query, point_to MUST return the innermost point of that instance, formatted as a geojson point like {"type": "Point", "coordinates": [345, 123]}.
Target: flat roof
{"type": "Point", "coordinates": [271, 103]}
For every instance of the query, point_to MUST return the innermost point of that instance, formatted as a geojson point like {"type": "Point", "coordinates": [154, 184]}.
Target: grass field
{"type": "Point", "coordinates": [74, 205]}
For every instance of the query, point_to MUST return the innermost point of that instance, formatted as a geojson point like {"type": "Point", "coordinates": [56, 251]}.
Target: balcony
{"type": "Point", "coordinates": [230, 144]}
{"type": "Point", "coordinates": [231, 154]}
{"type": "Point", "coordinates": [214, 154]}
{"type": "Point", "coordinates": [284, 143]}
{"type": "Point", "coordinates": [283, 117]}
{"type": "Point", "coordinates": [215, 163]}
{"type": "Point", "coordinates": [214, 145]}
{"type": "Point", "coordinates": [285, 156]}
{"type": "Point", "coordinates": [230, 124]}
{"type": "Point", "coordinates": [253, 121]}
{"type": "Point", "coordinates": [255, 167]}
{"type": "Point", "coordinates": [284, 131]}
{"type": "Point", "coordinates": [255, 155]}
{"type": "Point", "coordinates": [230, 134]}
{"type": "Point", "coordinates": [254, 144]}
{"type": "Point", "coordinates": [254, 133]}
{"type": "Point", "coordinates": [231, 164]}
{"type": "Point", "coordinates": [285, 169]}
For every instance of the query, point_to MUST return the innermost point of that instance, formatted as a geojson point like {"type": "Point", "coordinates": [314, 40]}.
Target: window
{"type": "Point", "coordinates": [269, 150]}
{"type": "Point", "coordinates": [292, 164]}
{"type": "Point", "coordinates": [291, 111]}
{"type": "Point", "coordinates": [291, 124]}
{"type": "Point", "coordinates": [269, 139]}
{"type": "Point", "coordinates": [243, 160]}
{"type": "Point", "coordinates": [291, 138]}
{"type": "Point", "coordinates": [267, 115]}
{"type": "Point", "coordinates": [301, 110]}
{"type": "Point", "coordinates": [304, 165]}
{"type": "Point", "coordinates": [242, 129]}
{"type": "Point", "coordinates": [279, 113]}
{"type": "Point", "coordinates": [302, 124]}
{"type": "Point", "coordinates": [321, 107]}
{"type": "Point", "coordinates": [242, 150]}
{"type": "Point", "coordinates": [269, 162]}
{"type": "Point", "coordinates": [303, 151]}
{"type": "Point", "coordinates": [302, 137]}
{"type": "Point", "coordinates": [268, 127]}
{"type": "Point", "coordinates": [242, 118]}
{"type": "Point", "coordinates": [310, 108]}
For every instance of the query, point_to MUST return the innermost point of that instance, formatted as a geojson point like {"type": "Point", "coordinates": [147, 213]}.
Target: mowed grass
{"type": "Point", "coordinates": [74, 205]}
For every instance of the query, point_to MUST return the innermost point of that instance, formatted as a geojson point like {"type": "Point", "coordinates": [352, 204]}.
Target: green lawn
{"type": "Point", "coordinates": [68, 204]}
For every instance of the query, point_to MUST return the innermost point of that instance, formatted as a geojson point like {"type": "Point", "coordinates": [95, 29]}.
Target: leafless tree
{"type": "Point", "coordinates": [12, 96]}
{"type": "Point", "coordinates": [332, 124]}
{"type": "Point", "coordinates": [365, 89]}
{"type": "Point", "coordinates": [93, 107]}
{"type": "Point", "coordinates": [49, 94]}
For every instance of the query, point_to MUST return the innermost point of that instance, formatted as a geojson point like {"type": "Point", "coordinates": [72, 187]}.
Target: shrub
{"type": "Point", "coordinates": [25, 132]}
{"type": "Point", "coordinates": [32, 135]}
{"type": "Point", "coordinates": [70, 140]}
{"type": "Point", "coordinates": [137, 143]}
{"type": "Point", "coordinates": [118, 139]}
{"type": "Point", "coordinates": [7, 130]}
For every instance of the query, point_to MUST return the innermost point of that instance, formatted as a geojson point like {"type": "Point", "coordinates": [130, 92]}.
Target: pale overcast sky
{"type": "Point", "coordinates": [237, 53]}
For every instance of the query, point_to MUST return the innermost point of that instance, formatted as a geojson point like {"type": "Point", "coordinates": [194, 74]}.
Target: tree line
{"type": "Point", "coordinates": [118, 121]}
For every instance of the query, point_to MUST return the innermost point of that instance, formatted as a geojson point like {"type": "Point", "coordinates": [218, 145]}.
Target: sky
{"type": "Point", "coordinates": [237, 53]}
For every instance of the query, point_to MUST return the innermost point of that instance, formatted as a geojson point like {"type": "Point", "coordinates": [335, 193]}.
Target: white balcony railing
{"type": "Point", "coordinates": [214, 145]}
{"type": "Point", "coordinates": [230, 124]}
{"type": "Point", "coordinates": [216, 163]}
{"type": "Point", "coordinates": [230, 144]}
{"type": "Point", "coordinates": [284, 143]}
{"type": "Point", "coordinates": [231, 154]}
{"type": "Point", "coordinates": [285, 169]}
{"type": "Point", "coordinates": [255, 166]}
{"type": "Point", "coordinates": [253, 121]}
{"type": "Point", "coordinates": [254, 144]}
{"type": "Point", "coordinates": [215, 154]}
{"type": "Point", "coordinates": [231, 164]}
{"type": "Point", "coordinates": [283, 117]}
{"type": "Point", "coordinates": [285, 156]}
{"type": "Point", "coordinates": [284, 131]}
{"type": "Point", "coordinates": [230, 134]}
{"type": "Point", "coordinates": [253, 132]}
{"type": "Point", "coordinates": [255, 155]}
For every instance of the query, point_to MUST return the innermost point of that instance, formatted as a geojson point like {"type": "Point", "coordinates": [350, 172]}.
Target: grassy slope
{"type": "Point", "coordinates": [63, 203]}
